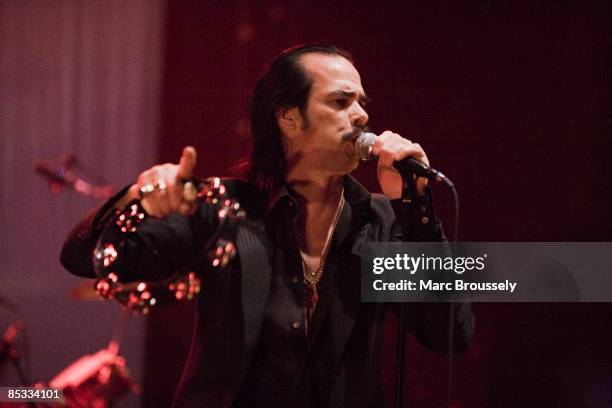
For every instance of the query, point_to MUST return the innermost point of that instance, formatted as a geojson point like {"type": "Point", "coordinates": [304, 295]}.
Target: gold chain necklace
{"type": "Point", "coordinates": [312, 278]}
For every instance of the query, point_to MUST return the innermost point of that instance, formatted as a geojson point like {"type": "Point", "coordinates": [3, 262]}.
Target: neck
{"type": "Point", "coordinates": [319, 201]}
{"type": "Point", "coordinates": [317, 191]}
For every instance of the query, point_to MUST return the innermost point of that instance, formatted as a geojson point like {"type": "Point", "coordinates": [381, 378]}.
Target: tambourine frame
{"type": "Point", "coordinates": [183, 285]}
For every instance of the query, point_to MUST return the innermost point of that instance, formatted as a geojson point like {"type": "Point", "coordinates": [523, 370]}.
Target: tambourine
{"type": "Point", "coordinates": [220, 249]}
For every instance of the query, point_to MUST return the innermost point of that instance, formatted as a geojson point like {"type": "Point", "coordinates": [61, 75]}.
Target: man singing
{"type": "Point", "coordinates": [283, 325]}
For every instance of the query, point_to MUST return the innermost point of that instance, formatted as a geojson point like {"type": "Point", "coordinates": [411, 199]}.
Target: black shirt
{"type": "Point", "coordinates": [245, 350]}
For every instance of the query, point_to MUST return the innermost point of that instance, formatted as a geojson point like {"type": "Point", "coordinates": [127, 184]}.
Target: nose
{"type": "Point", "coordinates": [359, 115]}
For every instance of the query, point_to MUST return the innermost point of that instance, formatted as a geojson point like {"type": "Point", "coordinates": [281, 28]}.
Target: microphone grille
{"type": "Point", "coordinates": [363, 145]}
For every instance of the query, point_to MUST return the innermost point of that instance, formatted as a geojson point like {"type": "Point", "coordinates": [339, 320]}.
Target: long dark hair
{"type": "Point", "coordinates": [284, 85]}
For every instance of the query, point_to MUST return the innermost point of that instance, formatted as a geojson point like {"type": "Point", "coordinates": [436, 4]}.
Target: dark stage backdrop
{"type": "Point", "coordinates": [511, 100]}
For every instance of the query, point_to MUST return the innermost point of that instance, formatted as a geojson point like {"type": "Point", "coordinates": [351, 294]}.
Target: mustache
{"type": "Point", "coordinates": [354, 133]}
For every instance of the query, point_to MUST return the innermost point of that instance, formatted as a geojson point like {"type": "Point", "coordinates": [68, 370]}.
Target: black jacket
{"type": "Point", "coordinates": [231, 304]}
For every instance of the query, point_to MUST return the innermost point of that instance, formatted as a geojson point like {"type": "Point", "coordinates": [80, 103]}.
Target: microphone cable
{"type": "Point", "coordinates": [451, 304]}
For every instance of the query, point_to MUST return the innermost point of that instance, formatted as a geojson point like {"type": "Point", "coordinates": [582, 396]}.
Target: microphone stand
{"type": "Point", "coordinates": [66, 173]}
{"type": "Point", "coordinates": [9, 352]}
{"type": "Point", "coordinates": [408, 193]}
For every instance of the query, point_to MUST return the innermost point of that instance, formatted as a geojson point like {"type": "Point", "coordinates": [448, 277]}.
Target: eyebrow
{"type": "Point", "coordinates": [363, 98]}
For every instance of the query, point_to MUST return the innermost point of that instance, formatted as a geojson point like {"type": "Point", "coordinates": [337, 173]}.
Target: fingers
{"type": "Point", "coordinates": [391, 147]}
{"type": "Point", "coordinates": [189, 196]}
{"type": "Point", "coordinates": [154, 200]}
{"type": "Point", "coordinates": [161, 186]}
{"type": "Point", "coordinates": [175, 189]}
{"type": "Point", "coordinates": [187, 163]}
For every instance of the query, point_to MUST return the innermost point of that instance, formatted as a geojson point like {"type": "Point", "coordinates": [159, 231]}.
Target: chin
{"type": "Point", "coordinates": [351, 164]}
{"type": "Point", "coordinates": [351, 159]}
{"type": "Point", "coordinates": [356, 162]}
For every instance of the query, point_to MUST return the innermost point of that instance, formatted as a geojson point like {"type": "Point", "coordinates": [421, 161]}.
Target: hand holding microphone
{"type": "Point", "coordinates": [397, 155]}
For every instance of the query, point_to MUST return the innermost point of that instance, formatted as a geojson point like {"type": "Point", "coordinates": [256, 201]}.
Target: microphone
{"type": "Point", "coordinates": [363, 147]}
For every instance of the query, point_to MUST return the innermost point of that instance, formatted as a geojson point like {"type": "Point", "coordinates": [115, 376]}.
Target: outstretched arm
{"type": "Point", "coordinates": [166, 240]}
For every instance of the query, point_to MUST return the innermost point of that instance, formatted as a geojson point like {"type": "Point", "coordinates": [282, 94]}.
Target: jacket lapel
{"type": "Point", "coordinates": [253, 246]}
{"type": "Point", "coordinates": [346, 304]}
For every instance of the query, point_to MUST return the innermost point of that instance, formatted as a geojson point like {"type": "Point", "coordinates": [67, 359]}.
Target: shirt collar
{"type": "Point", "coordinates": [354, 193]}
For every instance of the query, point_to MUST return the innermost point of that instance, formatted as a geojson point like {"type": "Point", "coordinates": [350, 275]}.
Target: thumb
{"type": "Point", "coordinates": [187, 163]}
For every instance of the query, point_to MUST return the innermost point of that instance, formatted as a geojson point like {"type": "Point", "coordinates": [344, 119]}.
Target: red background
{"type": "Point", "coordinates": [511, 100]}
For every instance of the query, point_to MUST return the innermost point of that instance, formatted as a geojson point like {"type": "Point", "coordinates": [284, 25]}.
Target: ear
{"type": "Point", "coordinates": [289, 120]}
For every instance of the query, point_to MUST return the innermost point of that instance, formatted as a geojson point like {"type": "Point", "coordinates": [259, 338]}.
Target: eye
{"type": "Point", "coordinates": [341, 103]}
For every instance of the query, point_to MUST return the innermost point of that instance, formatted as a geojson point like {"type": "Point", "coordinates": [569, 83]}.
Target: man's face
{"type": "Point", "coordinates": [323, 138]}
